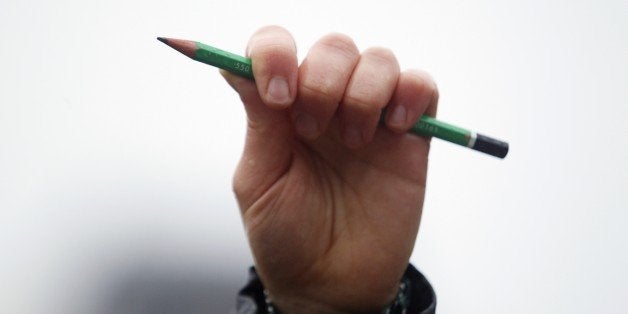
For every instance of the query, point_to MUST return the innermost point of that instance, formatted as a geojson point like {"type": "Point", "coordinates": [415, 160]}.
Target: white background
{"type": "Point", "coordinates": [116, 152]}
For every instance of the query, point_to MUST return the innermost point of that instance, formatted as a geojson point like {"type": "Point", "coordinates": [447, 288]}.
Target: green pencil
{"type": "Point", "coordinates": [426, 126]}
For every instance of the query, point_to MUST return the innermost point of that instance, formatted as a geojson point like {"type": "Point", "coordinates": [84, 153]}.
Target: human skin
{"type": "Point", "coordinates": [331, 199]}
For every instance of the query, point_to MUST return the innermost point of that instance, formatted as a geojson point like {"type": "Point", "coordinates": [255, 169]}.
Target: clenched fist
{"type": "Point", "coordinates": [331, 197]}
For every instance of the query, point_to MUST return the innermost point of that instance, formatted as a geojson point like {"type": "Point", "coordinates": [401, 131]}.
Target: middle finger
{"type": "Point", "coordinates": [370, 88]}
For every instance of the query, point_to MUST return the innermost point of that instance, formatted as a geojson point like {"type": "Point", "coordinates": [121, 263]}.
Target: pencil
{"type": "Point", "coordinates": [426, 126]}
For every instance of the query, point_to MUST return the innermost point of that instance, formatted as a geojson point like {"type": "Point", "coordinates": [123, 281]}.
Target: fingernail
{"type": "Point", "coordinates": [306, 125]}
{"type": "Point", "coordinates": [398, 116]}
{"type": "Point", "coordinates": [352, 137]}
{"type": "Point", "coordinates": [278, 90]}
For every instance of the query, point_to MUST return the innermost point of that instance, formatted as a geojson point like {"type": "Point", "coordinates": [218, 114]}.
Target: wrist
{"type": "Point", "coordinates": [301, 306]}
{"type": "Point", "coordinates": [395, 302]}
{"type": "Point", "coordinates": [416, 296]}
{"type": "Point", "coordinates": [297, 306]}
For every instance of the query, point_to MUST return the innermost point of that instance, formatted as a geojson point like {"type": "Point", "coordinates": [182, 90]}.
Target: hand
{"type": "Point", "coordinates": [331, 199]}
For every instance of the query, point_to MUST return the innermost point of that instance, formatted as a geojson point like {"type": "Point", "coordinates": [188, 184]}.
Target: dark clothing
{"type": "Point", "coordinates": [251, 299]}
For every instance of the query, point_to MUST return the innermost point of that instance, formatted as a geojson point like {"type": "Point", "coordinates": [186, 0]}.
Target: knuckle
{"type": "Point", "coordinates": [435, 96]}
{"type": "Point", "coordinates": [422, 78]}
{"type": "Point", "coordinates": [322, 93]}
{"type": "Point", "coordinates": [340, 43]}
{"type": "Point", "coordinates": [363, 105]}
{"type": "Point", "coordinates": [425, 82]}
{"type": "Point", "coordinates": [271, 28]}
{"type": "Point", "coordinates": [272, 51]}
{"type": "Point", "coordinates": [271, 38]}
{"type": "Point", "coordinates": [270, 32]}
{"type": "Point", "coordinates": [381, 54]}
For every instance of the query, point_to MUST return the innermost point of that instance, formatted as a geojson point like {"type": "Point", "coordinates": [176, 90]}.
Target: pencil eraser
{"type": "Point", "coordinates": [491, 146]}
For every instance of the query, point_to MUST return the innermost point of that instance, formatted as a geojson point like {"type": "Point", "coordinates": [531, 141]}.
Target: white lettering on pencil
{"type": "Point", "coordinates": [242, 67]}
{"type": "Point", "coordinates": [428, 128]}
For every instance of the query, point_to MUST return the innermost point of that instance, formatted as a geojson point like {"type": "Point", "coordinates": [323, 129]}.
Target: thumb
{"type": "Point", "coordinates": [259, 115]}
{"type": "Point", "coordinates": [267, 148]}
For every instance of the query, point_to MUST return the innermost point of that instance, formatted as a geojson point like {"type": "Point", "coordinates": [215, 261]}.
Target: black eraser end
{"type": "Point", "coordinates": [490, 146]}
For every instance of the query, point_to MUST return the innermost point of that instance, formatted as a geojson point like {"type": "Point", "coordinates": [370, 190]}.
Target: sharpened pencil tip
{"type": "Point", "coordinates": [185, 47]}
